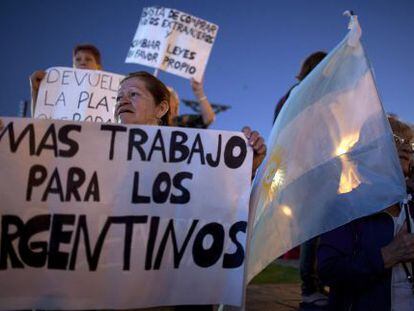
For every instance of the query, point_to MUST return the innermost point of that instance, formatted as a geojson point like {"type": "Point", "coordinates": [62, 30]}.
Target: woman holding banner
{"type": "Point", "coordinates": [85, 56]}
{"type": "Point", "coordinates": [366, 262]}
{"type": "Point", "coordinates": [143, 99]}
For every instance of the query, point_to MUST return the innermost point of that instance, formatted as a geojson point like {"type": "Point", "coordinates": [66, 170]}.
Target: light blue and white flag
{"type": "Point", "coordinates": [331, 157]}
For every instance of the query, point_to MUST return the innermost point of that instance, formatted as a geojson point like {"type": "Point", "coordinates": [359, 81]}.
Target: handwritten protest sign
{"type": "Point", "coordinates": [78, 95]}
{"type": "Point", "coordinates": [173, 41]}
{"type": "Point", "coordinates": [111, 216]}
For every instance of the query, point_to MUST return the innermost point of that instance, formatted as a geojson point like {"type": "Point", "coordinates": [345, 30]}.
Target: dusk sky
{"type": "Point", "coordinates": [255, 58]}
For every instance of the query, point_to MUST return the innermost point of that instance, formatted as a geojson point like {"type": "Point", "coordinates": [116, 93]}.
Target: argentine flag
{"type": "Point", "coordinates": [331, 157]}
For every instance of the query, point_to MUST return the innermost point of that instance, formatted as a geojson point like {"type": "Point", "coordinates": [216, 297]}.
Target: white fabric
{"type": "Point", "coordinates": [331, 158]}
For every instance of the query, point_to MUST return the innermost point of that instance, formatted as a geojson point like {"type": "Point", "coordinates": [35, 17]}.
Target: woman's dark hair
{"type": "Point", "coordinates": [157, 89]}
{"type": "Point", "coordinates": [399, 127]}
{"type": "Point", "coordinates": [309, 63]}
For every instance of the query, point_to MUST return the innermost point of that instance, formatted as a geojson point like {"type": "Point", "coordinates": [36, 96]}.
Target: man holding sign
{"type": "Point", "coordinates": [85, 56]}
{"type": "Point", "coordinates": [82, 93]}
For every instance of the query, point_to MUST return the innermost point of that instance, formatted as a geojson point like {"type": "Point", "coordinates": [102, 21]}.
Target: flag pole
{"type": "Point", "coordinates": [409, 230]}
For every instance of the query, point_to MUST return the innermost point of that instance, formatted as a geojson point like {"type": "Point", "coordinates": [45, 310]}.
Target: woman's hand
{"type": "Point", "coordinates": [198, 89]}
{"type": "Point", "coordinates": [35, 79]}
{"type": "Point", "coordinates": [207, 112]}
{"type": "Point", "coordinates": [401, 249]}
{"type": "Point", "coordinates": [259, 147]}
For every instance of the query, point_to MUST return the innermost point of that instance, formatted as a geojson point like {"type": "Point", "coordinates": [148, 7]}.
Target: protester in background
{"type": "Point", "coordinates": [313, 296]}
{"type": "Point", "coordinates": [363, 261]}
{"type": "Point", "coordinates": [84, 56]}
{"type": "Point", "coordinates": [307, 66]}
{"type": "Point", "coordinates": [202, 120]}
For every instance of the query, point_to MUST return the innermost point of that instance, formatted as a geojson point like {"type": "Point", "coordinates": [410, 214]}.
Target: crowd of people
{"type": "Point", "coordinates": [365, 264]}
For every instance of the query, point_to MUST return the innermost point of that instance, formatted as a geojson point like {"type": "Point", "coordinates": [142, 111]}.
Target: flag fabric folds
{"type": "Point", "coordinates": [331, 157]}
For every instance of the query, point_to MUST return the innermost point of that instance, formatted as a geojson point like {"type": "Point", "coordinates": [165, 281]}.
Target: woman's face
{"type": "Point", "coordinates": [405, 152]}
{"type": "Point", "coordinates": [135, 104]}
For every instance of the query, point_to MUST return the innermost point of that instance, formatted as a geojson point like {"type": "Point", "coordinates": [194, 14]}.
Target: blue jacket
{"type": "Point", "coordinates": [350, 262]}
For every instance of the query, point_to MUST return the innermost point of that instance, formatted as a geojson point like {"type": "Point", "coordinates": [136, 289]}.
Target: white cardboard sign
{"type": "Point", "coordinates": [173, 41]}
{"type": "Point", "coordinates": [107, 216]}
{"type": "Point", "coordinates": [77, 95]}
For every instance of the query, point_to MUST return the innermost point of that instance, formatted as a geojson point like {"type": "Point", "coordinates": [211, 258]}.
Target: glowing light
{"type": "Point", "coordinates": [286, 210]}
{"type": "Point", "coordinates": [271, 183]}
{"type": "Point", "coordinates": [349, 176]}
{"type": "Point", "coordinates": [274, 177]}
{"type": "Point", "coordinates": [346, 144]}
{"type": "Point", "coordinates": [277, 180]}
{"type": "Point", "coordinates": [270, 173]}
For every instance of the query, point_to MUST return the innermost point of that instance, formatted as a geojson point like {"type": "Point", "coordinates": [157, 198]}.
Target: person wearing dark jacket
{"type": "Point", "coordinates": [366, 262]}
{"type": "Point", "coordinates": [313, 297]}
{"type": "Point", "coordinates": [307, 66]}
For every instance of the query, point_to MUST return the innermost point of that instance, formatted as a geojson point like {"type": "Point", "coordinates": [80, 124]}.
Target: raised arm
{"type": "Point", "coordinates": [35, 79]}
{"type": "Point", "coordinates": [207, 111]}
{"type": "Point", "coordinates": [259, 147]}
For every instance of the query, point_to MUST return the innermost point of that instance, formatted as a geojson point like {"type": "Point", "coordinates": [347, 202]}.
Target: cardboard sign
{"type": "Point", "coordinates": [77, 95]}
{"type": "Point", "coordinates": [173, 41]}
{"type": "Point", "coordinates": [107, 216]}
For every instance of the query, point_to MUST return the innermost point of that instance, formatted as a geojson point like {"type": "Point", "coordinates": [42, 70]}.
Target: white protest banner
{"type": "Point", "coordinates": [173, 41]}
{"type": "Point", "coordinates": [110, 216]}
{"type": "Point", "coordinates": [78, 95]}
